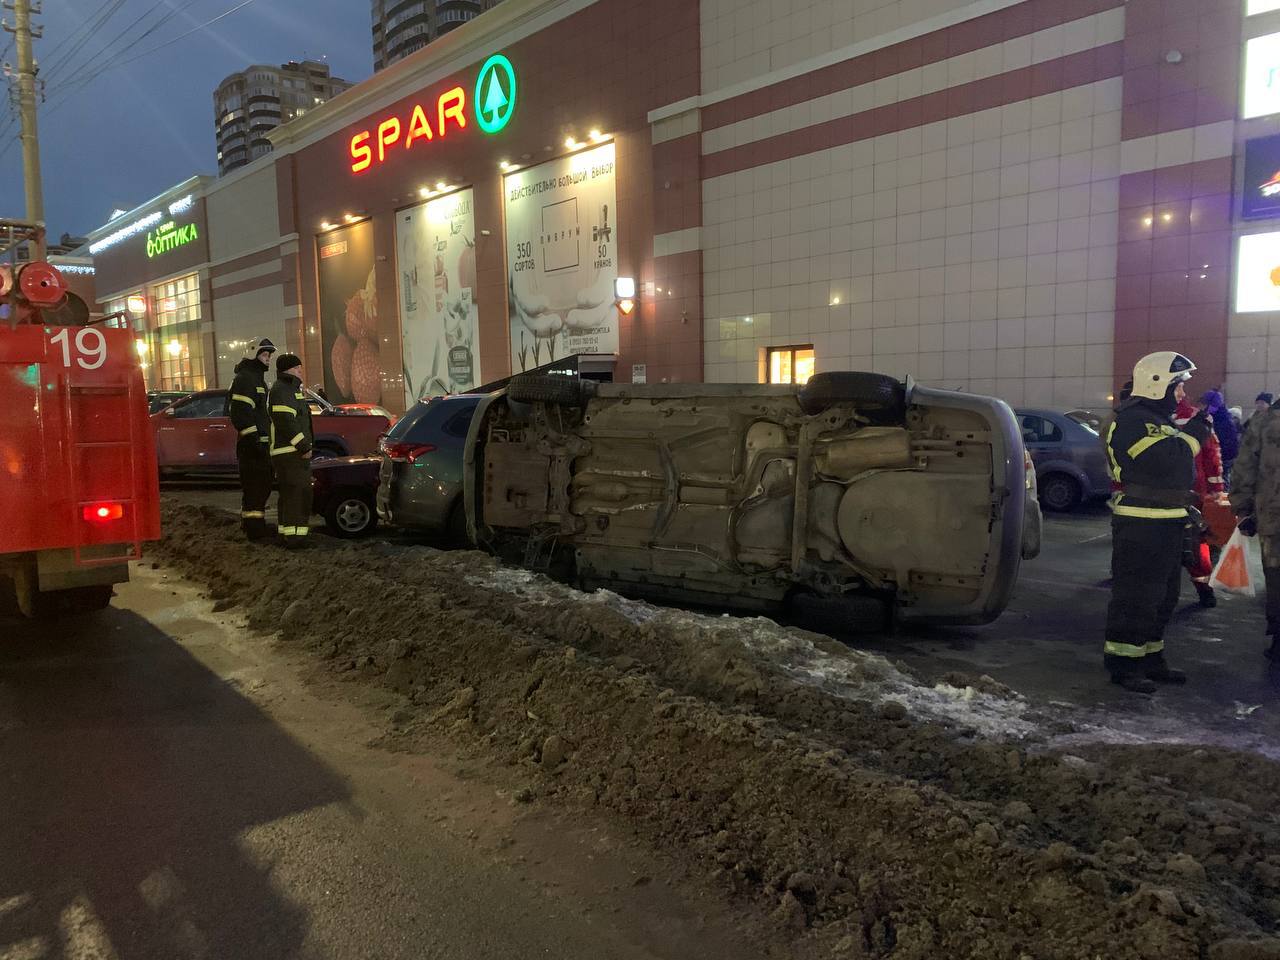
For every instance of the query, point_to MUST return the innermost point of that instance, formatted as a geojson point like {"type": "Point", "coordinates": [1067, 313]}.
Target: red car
{"type": "Point", "coordinates": [193, 436]}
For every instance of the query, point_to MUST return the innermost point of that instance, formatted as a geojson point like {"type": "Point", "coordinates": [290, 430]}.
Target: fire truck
{"type": "Point", "coordinates": [79, 493]}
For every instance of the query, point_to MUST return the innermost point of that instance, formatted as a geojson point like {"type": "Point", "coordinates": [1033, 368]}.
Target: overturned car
{"type": "Point", "coordinates": [855, 496]}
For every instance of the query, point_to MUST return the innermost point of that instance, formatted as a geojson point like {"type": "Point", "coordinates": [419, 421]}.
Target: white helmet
{"type": "Point", "coordinates": [1156, 372]}
{"type": "Point", "coordinates": [263, 344]}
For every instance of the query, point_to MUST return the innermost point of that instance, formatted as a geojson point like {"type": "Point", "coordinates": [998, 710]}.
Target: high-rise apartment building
{"type": "Point", "coordinates": [249, 103]}
{"type": "Point", "coordinates": [403, 26]}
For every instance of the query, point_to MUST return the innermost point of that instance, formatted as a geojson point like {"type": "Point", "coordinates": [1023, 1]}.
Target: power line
{"type": "Point", "coordinates": [108, 11]}
{"type": "Point", "coordinates": [69, 87]}
{"type": "Point", "coordinates": [95, 59]}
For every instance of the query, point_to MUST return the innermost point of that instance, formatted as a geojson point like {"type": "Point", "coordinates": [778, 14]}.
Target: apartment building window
{"type": "Point", "coordinates": [790, 364]}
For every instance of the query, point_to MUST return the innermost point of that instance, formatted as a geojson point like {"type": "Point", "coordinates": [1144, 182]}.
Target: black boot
{"type": "Point", "coordinates": [255, 529]}
{"type": "Point", "coordinates": [1158, 671]}
{"type": "Point", "coordinates": [1133, 682]}
{"type": "Point", "coordinates": [1208, 598]}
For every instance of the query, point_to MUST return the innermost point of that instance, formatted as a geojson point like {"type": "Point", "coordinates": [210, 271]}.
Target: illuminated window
{"type": "Point", "coordinates": [791, 364]}
{"type": "Point", "coordinates": [1262, 76]}
{"type": "Point", "coordinates": [176, 347]}
{"type": "Point", "coordinates": [134, 306]}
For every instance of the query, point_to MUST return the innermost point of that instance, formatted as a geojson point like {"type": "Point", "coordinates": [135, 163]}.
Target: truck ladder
{"type": "Point", "coordinates": [74, 447]}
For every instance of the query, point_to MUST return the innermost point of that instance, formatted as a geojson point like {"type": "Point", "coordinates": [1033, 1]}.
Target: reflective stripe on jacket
{"type": "Point", "coordinates": [290, 417]}
{"type": "Point", "coordinates": [1146, 451]}
{"type": "Point", "coordinates": [247, 400]}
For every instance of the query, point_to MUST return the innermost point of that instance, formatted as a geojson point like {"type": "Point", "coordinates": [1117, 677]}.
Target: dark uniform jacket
{"type": "Point", "coordinates": [1255, 481]}
{"type": "Point", "coordinates": [290, 417]}
{"type": "Point", "coordinates": [1152, 460]}
{"type": "Point", "coordinates": [247, 402]}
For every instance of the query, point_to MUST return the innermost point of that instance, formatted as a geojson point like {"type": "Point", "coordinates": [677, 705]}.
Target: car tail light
{"type": "Point", "coordinates": [103, 512]}
{"type": "Point", "coordinates": [406, 452]}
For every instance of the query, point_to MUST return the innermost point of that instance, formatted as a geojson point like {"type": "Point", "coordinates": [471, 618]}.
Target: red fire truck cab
{"type": "Point", "coordinates": [78, 481]}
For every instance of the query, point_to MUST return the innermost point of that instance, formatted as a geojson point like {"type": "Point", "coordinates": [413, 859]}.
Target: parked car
{"type": "Point", "coordinates": [369, 410]}
{"type": "Point", "coordinates": [420, 485]}
{"type": "Point", "coordinates": [344, 491]}
{"type": "Point", "coordinates": [193, 436]}
{"type": "Point", "coordinates": [157, 400]}
{"type": "Point", "coordinates": [857, 494]}
{"type": "Point", "coordinates": [1070, 459]}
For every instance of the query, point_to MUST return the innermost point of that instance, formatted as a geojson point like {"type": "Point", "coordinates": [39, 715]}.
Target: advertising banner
{"type": "Point", "coordinates": [439, 317]}
{"type": "Point", "coordinates": [562, 258]}
{"type": "Point", "coordinates": [1258, 273]}
{"type": "Point", "coordinates": [1262, 76]}
{"type": "Point", "coordinates": [1261, 191]}
{"type": "Point", "coordinates": [349, 315]}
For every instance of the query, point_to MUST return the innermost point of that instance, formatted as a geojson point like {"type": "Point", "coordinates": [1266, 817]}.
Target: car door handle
{"type": "Point", "coordinates": [217, 426]}
{"type": "Point", "coordinates": [168, 429]}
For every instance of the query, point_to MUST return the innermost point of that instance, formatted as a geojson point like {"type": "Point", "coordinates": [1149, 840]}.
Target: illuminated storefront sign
{"type": "Point", "coordinates": [1262, 76]}
{"type": "Point", "coordinates": [170, 236]}
{"type": "Point", "coordinates": [492, 104]}
{"type": "Point", "coordinates": [1258, 273]}
{"type": "Point", "coordinates": [1261, 189]}
{"type": "Point", "coordinates": [181, 205]}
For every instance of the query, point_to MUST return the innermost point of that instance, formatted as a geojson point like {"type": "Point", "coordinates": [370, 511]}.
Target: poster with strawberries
{"type": "Point", "coordinates": [349, 315]}
{"type": "Point", "coordinates": [439, 317]}
{"type": "Point", "coordinates": [562, 258]}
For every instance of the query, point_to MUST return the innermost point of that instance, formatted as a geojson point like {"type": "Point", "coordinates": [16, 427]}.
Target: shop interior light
{"type": "Point", "coordinates": [326, 225]}
{"type": "Point", "coordinates": [141, 346]}
{"type": "Point", "coordinates": [424, 192]}
{"type": "Point", "coordinates": [174, 348]}
{"type": "Point", "coordinates": [505, 165]}
{"type": "Point", "coordinates": [442, 185]}
{"type": "Point", "coordinates": [571, 143]}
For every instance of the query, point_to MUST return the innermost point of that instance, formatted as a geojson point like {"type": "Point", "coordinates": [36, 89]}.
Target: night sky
{"type": "Point", "coordinates": [145, 125]}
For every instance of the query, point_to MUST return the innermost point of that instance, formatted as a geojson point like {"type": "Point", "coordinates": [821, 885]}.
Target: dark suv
{"type": "Point", "coordinates": [420, 480]}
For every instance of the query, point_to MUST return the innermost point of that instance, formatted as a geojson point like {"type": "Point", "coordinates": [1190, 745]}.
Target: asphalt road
{"type": "Point", "coordinates": [171, 788]}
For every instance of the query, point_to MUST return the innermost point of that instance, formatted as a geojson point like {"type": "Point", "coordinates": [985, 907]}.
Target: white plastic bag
{"type": "Point", "coordinates": [1239, 568]}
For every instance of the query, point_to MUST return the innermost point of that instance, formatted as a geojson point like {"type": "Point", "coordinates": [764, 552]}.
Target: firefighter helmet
{"type": "Point", "coordinates": [263, 344]}
{"type": "Point", "coordinates": [1155, 373]}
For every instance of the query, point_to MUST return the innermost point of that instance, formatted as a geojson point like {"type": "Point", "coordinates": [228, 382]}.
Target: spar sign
{"type": "Point", "coordinates": [488, 104]}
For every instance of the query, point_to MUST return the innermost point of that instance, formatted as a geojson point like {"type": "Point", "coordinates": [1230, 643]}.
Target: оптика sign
{"type": "Point", "coordinates": [170, 236]}
{"type": "Point", "coordinates": [493, 102]}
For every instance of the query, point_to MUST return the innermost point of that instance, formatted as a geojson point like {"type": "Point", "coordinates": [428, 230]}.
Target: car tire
{"type": "Point", "coordinates": [351, 514]}
{"type": "Point", "coordinates": [1060, 492]}
{"type": "Point", "coordinates": [456, 530]}
{"type": "Point", "coordinates": [543, 388]}
{"type": "Point", "coordinates": [870, 393]}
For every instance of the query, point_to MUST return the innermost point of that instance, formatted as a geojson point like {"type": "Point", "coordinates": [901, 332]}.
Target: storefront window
{"type": "Point", "coordinates": [791, 364]}
{"type": "Point", "coordinates": [176, 346]}
{"type": "Point", "coordinates": [131, 314]}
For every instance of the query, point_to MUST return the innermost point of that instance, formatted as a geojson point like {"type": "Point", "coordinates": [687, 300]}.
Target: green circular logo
{"type": "Point", "coordinates": [495, 93]}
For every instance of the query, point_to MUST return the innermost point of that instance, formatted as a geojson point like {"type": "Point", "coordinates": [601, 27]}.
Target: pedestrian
{"type": "Point", "coordinates": [1209, 487]}
{"type": "Point", "coordinates": [1262, 403]}
{"type": "Point", "coordinates": [1224, 427]}
{"type": "Point", "coordinates": [247, 407]}
{"type": "Point", "coordinates": [1154, 464]}
{"type": "Point", "coordinates": [291, 441]}
{"type": "Point", "coordinates": [1255, 497]}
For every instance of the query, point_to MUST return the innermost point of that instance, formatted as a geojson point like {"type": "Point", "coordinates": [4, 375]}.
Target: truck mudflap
{"type": "Point", "coordinates": [1007, 499]}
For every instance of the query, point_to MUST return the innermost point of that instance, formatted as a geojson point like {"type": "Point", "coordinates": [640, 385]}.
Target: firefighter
{"type": "Point", "coordinates": [291, 442]}
{"type": "Point", "coordinates": [1153, 462]}
{"type": "Point", "coordinates": [247, 408]}
{"type": "Point", "coordinates": [1255, 497]}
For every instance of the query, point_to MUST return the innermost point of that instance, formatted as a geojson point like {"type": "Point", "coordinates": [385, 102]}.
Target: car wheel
{"type": "Point", "coordinates": [350, 515]}
{"type": "Point", "coordinates": [868, 392]}
{"type": "Point", "coordinates": [456, 531]}
{"type": "Point", "coordinates": [1060, 492]}
{"type": "Point", "coordinates": [543, 388]}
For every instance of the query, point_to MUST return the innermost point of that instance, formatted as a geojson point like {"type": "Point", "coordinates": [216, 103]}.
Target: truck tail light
{"type": "Point", "coordinates": [103, 512]}
{"type": "Point", "coordinates": [406, 452]}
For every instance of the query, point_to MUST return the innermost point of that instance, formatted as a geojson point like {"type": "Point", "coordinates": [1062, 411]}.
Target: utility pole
{"type": "Point", "coordinates": [23, 33]}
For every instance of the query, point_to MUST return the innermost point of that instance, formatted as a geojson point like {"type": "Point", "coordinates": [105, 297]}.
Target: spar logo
{"type": "Point", "coordinates": [493, 102]}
